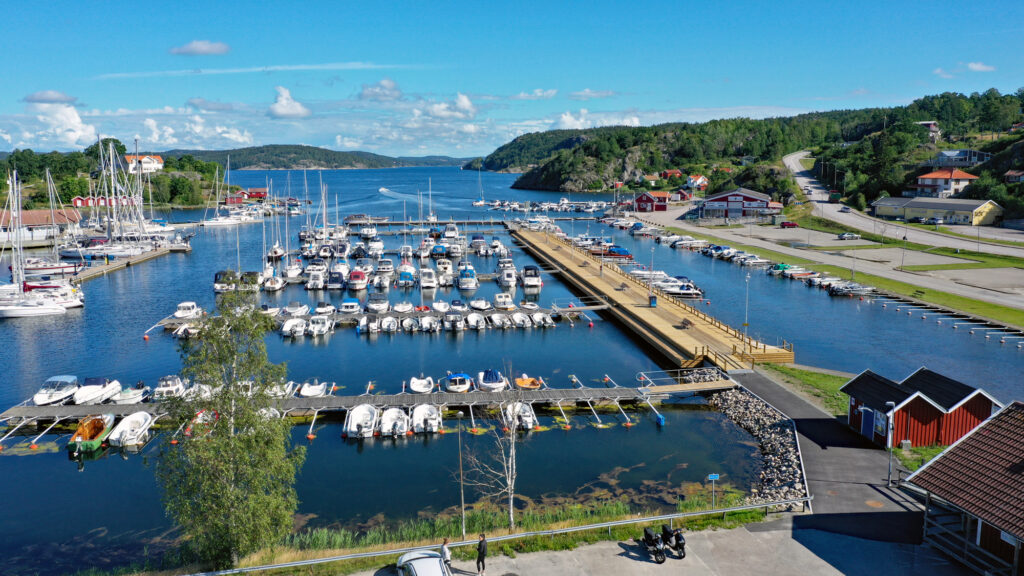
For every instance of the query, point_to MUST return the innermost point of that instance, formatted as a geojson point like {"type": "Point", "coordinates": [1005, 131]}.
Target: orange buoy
{"type": "Point", "coordinates": [628, 424]}
{"type": "Point", "coordinates": [145, 337]}
{"type": "Point", "coordinates": [310, 436]}
{"type": "Point", "coordinates": [408, 432]}
{"type": "Point", "coordinates": [505, 429]}
{"type": "Point", "coordinates": [32, 446]}
{"type": "Point", "coordinates": [441, 431]}
{"type": "Point", "coordinates": [591, 325]}
{"type": "Point", "coordinates": [376, 433]}
{"type": "Point", "coordinates": [566, 427]}
{"type": "Point", "coordinates": [707, 302]}
{"type": "Point", "coordinates": [174, 442]}
{"type": "Point", "coordinates": [473, 430]}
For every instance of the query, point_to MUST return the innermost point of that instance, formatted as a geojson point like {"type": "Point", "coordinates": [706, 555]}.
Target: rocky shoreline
{"type": "Point", "coordinates": [781, 473]}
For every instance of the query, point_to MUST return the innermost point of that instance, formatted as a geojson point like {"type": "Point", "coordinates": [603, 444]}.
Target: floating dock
{"type": "Point", "coordinates": [683, 334]}
{"type": "Point", "coordinates": [98, 270]}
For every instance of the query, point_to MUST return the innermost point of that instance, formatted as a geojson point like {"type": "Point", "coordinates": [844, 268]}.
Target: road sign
{"type": "Point", "coordinates": [712, 476]}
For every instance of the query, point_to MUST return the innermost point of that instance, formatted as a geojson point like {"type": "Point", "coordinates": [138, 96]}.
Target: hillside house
{"type": "Point", "coordinates": [941, 183]}
{"type": "Point", "coordinates": [697, 182]}
{"type": "Point", "coordinates": [652, 201]}
{"type": "Point", "coordinates": [651, 179]}
{"type": "Point", "coordinates": [1014, 176]}
{"type": "Point", "coordinates": [963, 158]}
{"type": "Point", "coordinates": [934, 133]}
{"type": "Point", "coordinates": [673, 173]}
{"type": "Point", "coordinates": [148, 164]}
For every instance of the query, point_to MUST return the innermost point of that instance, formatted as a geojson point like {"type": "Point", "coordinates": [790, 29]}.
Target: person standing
{"type": "Point", "coordinates": [446, 554]}
{"type": "Point", "coordinates": [481, 555]}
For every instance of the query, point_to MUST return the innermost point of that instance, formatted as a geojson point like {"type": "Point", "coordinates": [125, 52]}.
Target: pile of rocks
{"type": "Point", "coordinates": [781, 476]}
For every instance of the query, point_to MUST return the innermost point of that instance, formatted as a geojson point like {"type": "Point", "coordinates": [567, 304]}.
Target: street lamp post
{"type": "Point", "coordinates": [888, 438]}
{"type": "Point", "coordinates": [462, 492]}
{"type": "Point", "coordinates": [746, 316]}
{"type": "Point", "coordinates": [650, 279]}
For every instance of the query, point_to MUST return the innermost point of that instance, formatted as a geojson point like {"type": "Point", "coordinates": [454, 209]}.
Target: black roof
{"type": "Point", "coordinates": [944, 391]}
{"type": "Point", "coordinates": [874, 390]}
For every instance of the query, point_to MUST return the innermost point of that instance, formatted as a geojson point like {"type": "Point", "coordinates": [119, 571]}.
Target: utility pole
{"type": "Point", "coordinates": [888, 435]}
{"type": "Point", "coordinates": [462, 492]}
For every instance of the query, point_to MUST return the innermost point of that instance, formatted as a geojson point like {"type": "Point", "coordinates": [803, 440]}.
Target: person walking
{"type": "Point", "coordinates": [446, 554]}
{"type": "Point", "coordinates": [481, 555]}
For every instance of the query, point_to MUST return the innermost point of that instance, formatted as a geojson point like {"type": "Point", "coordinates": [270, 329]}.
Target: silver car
{"type": "Point", "coordinates": [422, 563]}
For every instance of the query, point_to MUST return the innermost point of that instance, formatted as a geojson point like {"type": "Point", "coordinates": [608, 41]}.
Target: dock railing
{"type": "Point", "coordinates": [780, 506]}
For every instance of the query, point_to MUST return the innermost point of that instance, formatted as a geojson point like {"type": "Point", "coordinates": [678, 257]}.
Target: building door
{"type": "Point", "coordinates": [867, 423]}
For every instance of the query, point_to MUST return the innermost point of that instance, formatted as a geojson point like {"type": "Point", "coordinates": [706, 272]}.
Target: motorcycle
{"type": "Point", "coordinates": [655, 547]}
{"type": "Point", "coordinates": [673, 539]}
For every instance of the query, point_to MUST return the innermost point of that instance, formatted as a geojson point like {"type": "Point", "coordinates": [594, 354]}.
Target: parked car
{"type": "Point", "coordinates": [789, 225]}
{"type": "Point", "coordinates": [844, 209]}
{"type": "Point", "coordinates": [849, 236]}
{"type": "Point", "coordinates": [916, 220]}
{"type": "Point", "coordinates": [422, 563]}
{"type": "Point", "coordinates": [935, 221]}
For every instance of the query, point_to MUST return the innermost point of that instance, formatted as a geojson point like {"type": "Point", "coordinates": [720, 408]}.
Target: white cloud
{"type": "Point", "coordinates": [347, 143]}
{"type": "Point", "coordinates": [588, 94]}
{"type": "Point", "coordinates": [5, 136]}
{"type": "Point", "coordinates": [197, 125]}
{"type": "Point", "coordinates": [980, 67]}
{"type": "Point", "coordinates": [470, 128]}
{"type": "Point", "coordinates": [159, 135]}
{"type": "Point", "coordinates": [49, 97]}
{"type": "Point", "coordinates": [165, 111]}
{"type": "Point", "coordinates": [201, 48]}
{"type": "Point", "coordinates": [234, 134]}
{"type": "Point", "coordinates": [63, 124]}
{"type": "Point", "coordinates": [537, 94]}
{"type": "Point", "coordinates": [461, 108]}
{"type": "Point", "coordinates": [569, 122]}
{"type": "Point", "coordinates": [384, 91]}
{"type": "Point", "coordinates": [941, 73]}
{"type": "Point", "coordinates": [251, 70]}
{"type": "Point", "coordinates": [287, 107]}
{"type": "Point", "coordinates": [207, 105]}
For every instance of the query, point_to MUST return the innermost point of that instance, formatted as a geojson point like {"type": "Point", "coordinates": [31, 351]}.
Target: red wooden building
{"type": "Point", "coordinates": [256, 193]}
{"type": "Point", "coordinates": [974, 511]}
{"type": "Point", "coordinates": [928, 408]}
{"type": "Point", "coordinates": [653, 201]}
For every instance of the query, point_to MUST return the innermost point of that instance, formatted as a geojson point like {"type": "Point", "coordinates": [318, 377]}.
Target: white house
{"type": "Point", "coordinates": [941, 183]}
{"type": "Point", "coordinates": [697, 182]}
{"type": "Point", "coordinates": [149, 163]}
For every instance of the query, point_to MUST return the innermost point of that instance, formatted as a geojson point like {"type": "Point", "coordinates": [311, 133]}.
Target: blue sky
{"type": "Point", "coordinates": [412, 78]}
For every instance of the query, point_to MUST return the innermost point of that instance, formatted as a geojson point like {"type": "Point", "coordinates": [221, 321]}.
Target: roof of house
{"type": "Point", "coordinates": [42, 217]}
{"type": "Point", "coordinates": [142, 157]}
{"type": "Point", "coordinates": [744, 191]}
{"type": "Point", "coordinates": [672, 171]}
{"type": "Point", "coordinates": [951, 204]}
{"type": "Point", "coordinates": [948, 174]}
{"type": "Point", "coordinates": [942, 390]}
{"type": "Point", "coordinates": [657, 194]}
{"type": "Point", "coordinates": [1012, 173]}
{"type": "Point", "coordinates": [896, 201]}
{"type": "Point", "coordinates": [983, 473]}
{"type": "Point", "coordinates": [874, 391]}
{"type": "Point", "coordinates": [697, 176]}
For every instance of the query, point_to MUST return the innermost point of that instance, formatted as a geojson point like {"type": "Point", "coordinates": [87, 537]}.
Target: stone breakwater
{"type": "Point", "coordinates": [781, 474]}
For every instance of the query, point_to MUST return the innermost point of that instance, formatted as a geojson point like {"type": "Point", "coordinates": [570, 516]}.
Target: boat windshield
{"type": "Point", "coordinates": [96, 381]}
{"type": "Point", "coordinates": [168, 381]}
{"type": "Point", "coordinates": [60, 383]}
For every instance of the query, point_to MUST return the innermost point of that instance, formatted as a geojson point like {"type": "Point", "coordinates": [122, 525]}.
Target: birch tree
{"type": "Point", "coordinates": [493, 473]}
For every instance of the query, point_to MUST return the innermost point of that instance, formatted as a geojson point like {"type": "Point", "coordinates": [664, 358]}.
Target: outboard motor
{"type": "Point", "coordinates": [674, 539]}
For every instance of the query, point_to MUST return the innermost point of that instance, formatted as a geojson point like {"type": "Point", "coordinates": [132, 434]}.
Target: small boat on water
{"type": "Point", "coordinates": [421, 385]}
{"type": "Point", "coordinates": [296, 309]}
{"type": "Point", "coordinates": [96, 391]}
{"type": "Point", "coordinates": [410, 324]}
{"type": "Point", "coordinates": [91, 432]}
{"type": "Point", "coordinates": [521, 320]}
{"type": "Point", "coordinates": [430, 324]}
{"type": "Point", "coordinates": [361, 421]}
{"type": "Point", "coordinates": [529, 306]}
{"type": "Point", "coordinates": [56, 390]}
{"type": "Point", "coordinates": [132, 395]}
{"type": "Point", "coordinates": [357, 280]}
{"type": "Point", "coordinates": [282, 389]}
{"type": "Point", "coordinates": [458, 306]}
{"type": "Point", "coordinates": [377, 302]}
{"type": "Point", "coordinates": [480, 303]}
{"type": "Point", "coordinates": [525, 382]}
{"type": "Point", "coordinates": [492, 380]}
{"type": "Point", "coordinates": [389, 324]}
{"type": "Point", "coordinates": [542, 320]}
{"type": "Point", "coordinates": [318, 325]}
{"type": "Point", "coordinates": [441, 306]}
{"type": "Point", "coordinates": [521, 415]}
{"type": "Point", "coordinates": [426, 418]}
{"type": "Point", "coordinates": [428, 279]}
{"type": "Point", "coordinates": [169, 387]}
{"type": "Point", "coordinates": [294, 328]}
{"type": "Point", "coordinates": [225, 281]}
{"type": "Point", "coordinates": [476, 321]}
{"type": "Point", "coordinates": [324, 309]}
{"type": "Point", "coordinates": [499, 320]}
{"type": "Point", "coordinates": [313, 389]}
{"type": "Point", "coordinates": [188, 311]}
{"type": "Point", "coordinates": [531, 277]}
{"type": "Point", "coordinates": [459, 382]}
{"type": "Point", "coordinates": [132, 430]}
{"type": "Point", "coordinates": [268, 310]}
{"type": "Point", "coordinates": [350, 306]}
{"type": "Point", "coordinates": [402, 307]}
{"type": "Point", "coordinates": [394, 422]}
{"type": "Point", "coordinates": [453, 322]}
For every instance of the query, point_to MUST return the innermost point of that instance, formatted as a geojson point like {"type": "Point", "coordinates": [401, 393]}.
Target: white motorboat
{"type": "Point", "coordinates": [296, 309]}
{"type": "Point", "coordinates": [476, 321]}
{"type": "Point", "coordinates": [453, 322]}
{"type": "Point", "coordinates": [317, 281]}
{"type": "Point", "coordinates": [185, 331]}
{"type": "Point", "coordinates": [282, 389]}
{"type": "Point", "coordinates": [506, 264]}
{"type": "Point", "coordinates": [292, 270]}
{"type": "Point", "coordinates": [268, 310]}
{"type": "Point", "coordinates": [56, 390]}
{"type": "Point", "coordinates": [385, 267]}
{"type": "Point", "coordinates": [132, 430]}
{"type": "Point", "coordinates": [529, 306]}
{"type": "Point", "coordinates": [350, 306]}
{"type": "Point", "coordinates": [377, 302]}
{"type": "Point", "coordinates": [132, 395]}
{"type": "Point", "coordinates": [520, 415]}
{"type": "Point", "coordinates": [225, 281]}
{"type": "Point", "coordinates": [410, 324]}
{"type": "Point", "coordinates": [389, 324]}
{"type": "Point", "coordinates": [426, 418]}
{"type": "Point", "coordinates": [42, 267]}
{"type": "Point", "coordinates": [96, 391]}
{"type": "Point", "coordinates": [507, 278]}
{"type": "Point", "coordinates": [324, 309]}
{"type": "Point", "coordinates": [458, 382]}
{"type": "Point", "coordinates": [188, 311]}
{"type": "Point", "coordinates": [429, 324]}
{"type": "Point", "coordinates": [368, 324]}
{"type": "Point", "coordinates": [293, 328]}
{"type": "Point", "coordinates": [395, 422]}
{"type": "Point", "coordinates": [269, 413]}
{"type": "Point", "coordinates": [492, 381]}
{"type": "Point", "coordinates": [542, 320]}
{"type": "Point", "coordinates": [441, 306]}
{"type": "Point", "coordinates": [274, 284]}
{"type": "Point", "coordinates": [444, 266]}
{"type": "Point", "coordinates": [499, 320]}
{"type": "Point", "coordinates": [503, 301]}
{"type": "Point", "coordinates": [169, 387]}
{"type": "Point", "coordinates": [428, 279]}
{"type": "Point", "coordinates": [341, 267]}
{"type": "Point", "coordinates": [467, 279]}
{"type": "Point", "coordinates": [368, 231]}
{"type": "Point", "coordinates": [531, 277]}
{"type": "Point", "coordinates": [199, 392]}
{"type": "Point", "coordinates": [361, 421]}
{"type": "Point", "coordinates": [480, 303]}
{"type": "Point", "coordinates": [357, 280]}
{"type": "Point", "coordinates": [313, 389]}
{"type": "Point", "coordinates": [402, 307]}
{"type": "Point", "coordinates": [421, 385]}
{"type": "Point", "coordinates": [319, 325]}
{"type": "Point", "coordinates": [521, 320]}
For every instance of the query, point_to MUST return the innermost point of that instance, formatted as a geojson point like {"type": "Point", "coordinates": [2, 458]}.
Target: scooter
{"type": "Point", "coordinates": [655, 547]}
{"type": "Point", "coordinates": [674, 540]}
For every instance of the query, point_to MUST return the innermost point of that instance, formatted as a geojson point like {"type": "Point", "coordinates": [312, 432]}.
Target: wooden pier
{"type": "Point", "coordinates": [682, 333]}
{"type": "Point", "coordinates": [98, 270]}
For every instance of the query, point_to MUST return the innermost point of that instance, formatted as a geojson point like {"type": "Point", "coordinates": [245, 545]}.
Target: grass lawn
{"type": "Point", "coordinates": [764, 253]}
{"type": "Point", "coordinates": [916, 457]}
{"type": "Point", "coordinates": [824, 387]}
{"type": "Point", "coordinates": [807, 163]}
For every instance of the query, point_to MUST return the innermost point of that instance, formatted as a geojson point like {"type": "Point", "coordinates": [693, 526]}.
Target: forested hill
{"type": "Point", "coordinates": [281, 156]}
{"type": "Point", "coordinates": [593, 159]}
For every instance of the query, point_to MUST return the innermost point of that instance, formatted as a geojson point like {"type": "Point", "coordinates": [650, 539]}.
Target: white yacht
{"type": "Point", "coordinates": [96, 391]}
{"type": "Point", "coordinates": [56, 390]}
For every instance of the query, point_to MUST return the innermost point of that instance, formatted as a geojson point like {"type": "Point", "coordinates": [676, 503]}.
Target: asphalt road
{"type": "Point", "coordinates": [818, 193]}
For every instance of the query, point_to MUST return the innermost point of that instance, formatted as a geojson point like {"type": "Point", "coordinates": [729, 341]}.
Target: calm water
{"type": "Point", "coordinates": [115, 502]}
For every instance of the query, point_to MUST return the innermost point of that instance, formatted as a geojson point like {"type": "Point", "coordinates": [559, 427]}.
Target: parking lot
{"type": "Point", "coordinates": [799, 236]}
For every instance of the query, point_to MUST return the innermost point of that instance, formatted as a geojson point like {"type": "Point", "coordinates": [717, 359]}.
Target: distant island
{"type": "Point", "coordinates": [297, 157]}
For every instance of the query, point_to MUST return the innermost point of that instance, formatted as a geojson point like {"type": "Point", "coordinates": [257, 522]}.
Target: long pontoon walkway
{"type": "Point", "coordinates": [680, 332]}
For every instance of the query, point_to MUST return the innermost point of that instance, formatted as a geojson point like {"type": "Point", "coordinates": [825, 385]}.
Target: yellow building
{"type": "Point", "coordinates": [950, 210]}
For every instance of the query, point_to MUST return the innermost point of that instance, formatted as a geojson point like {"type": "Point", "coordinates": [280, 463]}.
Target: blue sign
{"type": "Point", "coordinates": [712, 476]}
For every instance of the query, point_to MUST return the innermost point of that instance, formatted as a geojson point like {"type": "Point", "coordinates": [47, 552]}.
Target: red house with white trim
{"type": "Point", "coordinates": [697, 182]}
{"type": "Point", "coordinates": [928, 408]}
{"type": "Point", "coordinates": [652, 201]}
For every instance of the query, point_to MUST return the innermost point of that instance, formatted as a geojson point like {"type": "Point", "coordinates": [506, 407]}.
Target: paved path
{"type": "Point", "coordinates": [736, 552]}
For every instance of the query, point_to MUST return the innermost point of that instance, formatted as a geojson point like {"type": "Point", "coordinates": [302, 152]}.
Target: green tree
{"type": "Point", "coordinates": [93, 150]}
{"type": "Point", "coordinates": [230, 482]}
{"type": "Point", "coordinates": [69, 187]}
